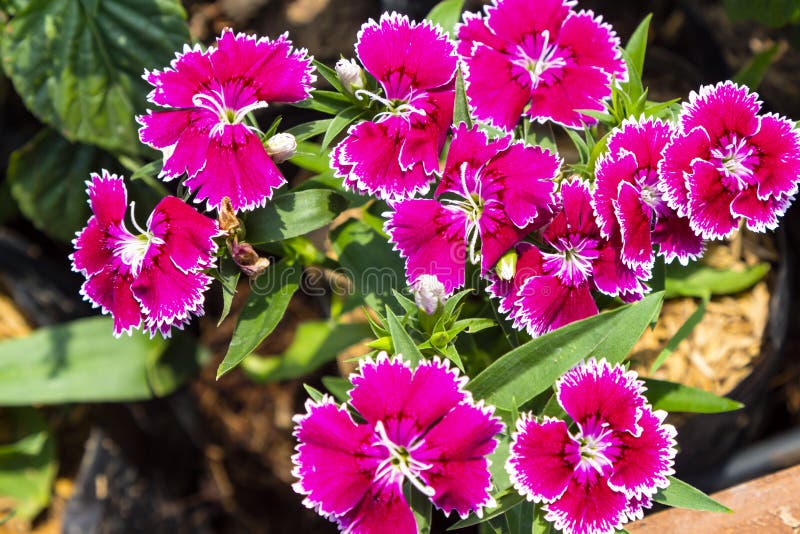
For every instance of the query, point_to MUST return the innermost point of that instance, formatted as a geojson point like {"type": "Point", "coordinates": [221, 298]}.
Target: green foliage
{"type": "Point", "coordinates": [679, 494]}
{"type": "Point", "coordinates": [461, 110]}
{"type": "Point", "coordinates": [683, 332]}
{"type": "Point", "coordinates": [446, 14]}
{"type": "Point", "coordinates": [315, 343]}
{"type": "Point", "coordinates": [770, 12]}
{"type": "Point", "coordinates": [672, 397]}
{"type": "Point", "coordinates": [293, 214]}
{"type": "Point", "coordinates": [530, 369]}
{"type": "Point", "coordinates": [48, 180]}
{"type": "Point", "coordinates": [28, 463]}
{"type": "Point", "coordinates": [262, 312]}
{"type": "Point", "coordinates": [78, 64]}
{"type": "Point", "coordinates": [755, 69]}
{"type": "Point", "coordinates": [700, 280]}
{"type": "Point", "coordinates": [228, 275]}
{"type": "Point", "coordinates": [81, 361]}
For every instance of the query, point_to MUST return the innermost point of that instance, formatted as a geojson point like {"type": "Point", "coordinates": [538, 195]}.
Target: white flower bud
{"type": "Point", "coordinates": [429, 293]}
{"type": "Point", "coordinates": [281, 147]}
{"type": "Point", "coordinates": [350, 74]}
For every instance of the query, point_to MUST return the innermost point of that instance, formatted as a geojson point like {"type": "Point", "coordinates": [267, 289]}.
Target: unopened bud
{"type": "Point", "coordinates": [429, 293]}
{"type": "Point", "coordinates": [281, 147]}
{"type": "Point", "coordinates": [248, 259]}
{"type": "Point", "coordinates": [228, 222]}
{"type": "Point", "coordinates": [506, 268]}
{"type": "Point", "coordinates": [350, 74]}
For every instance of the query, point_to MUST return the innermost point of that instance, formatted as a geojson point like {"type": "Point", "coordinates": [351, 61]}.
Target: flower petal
{"type": "Point", "coordinates": [383, 505]}
{"type": "Point", "coordinates": [610, 172]}
{"type": "Point", "coordinates": [760, 215]}
{"type": "Point", "coordinates": [432, 239]}
{"type": "Point", "coordinates": [108, 198]}
{"type": "Point", "coordinates": [576, 88]}
{"type": "Point", "coordinates": [588, 507]}
{"type": "Point", "coordinates": [189, 74]}
{"type": "Point", "coordinates": [592, 43]}
{"type": "Point", "coordinates": [721, 109]}
{"type": "Point", "coordinates": [498, 234]}
{"type": "Point", "coordinates": [181, 135]}
{"type": "Point", "coordinates": [778, 142]}
{"type": "Point", "coordinates": [545, 304]}
{"type": "Point", "coordinates": [111, 290]}
{"type": "Point", "coordinates": [635, 218]}
{"type": "Point", "coordinates": [612, 277]}
{"type": "Point", "coordinates": [540, 462]}
{"type": "Point", "coordinates": [93, 252]}
{"type": "Point", "coordinates": [676, 239]}
{"type": "Point", "coordinates": [677, 165]}
{"type": "Point", "coordinates": [515, 20]}
{"type": "Point", "coordinates": [709, 202]}
{"type": "Point", "coordinates": [335, 460]}
{"type": "Point", "coordinates": [646, 460]}
{"type": "Point", "coordinates": [188, 235]}
{"type": "Point", "coordinates": [596, 393]}
{"type": "Point", "coordinates": [427, 134]}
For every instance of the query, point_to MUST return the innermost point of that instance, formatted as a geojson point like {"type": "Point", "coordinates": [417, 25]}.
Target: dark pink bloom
{"type": "Point", "coordinates": [206, 96]}
{"type": "Point", "coordinates": [552, 286]}
{"type": "Point", "coordinates": [541, 59]}
{"type": "Point", "coordinates": [492, 194]}
{"type": "Point", "coordinates": [729, 164]}
{"type": "Point", "coordinates": [396, 155]}
{"type": "Point", "coordinates": [628, 202]}
{"type": "Point", "coordinates": [605, 473]}
{"type": "Point", "coordinates": [420, 426]}
{"type": "Point", "coordinates": [154, 277]}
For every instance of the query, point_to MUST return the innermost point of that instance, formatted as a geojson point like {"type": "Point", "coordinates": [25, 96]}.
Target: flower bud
{"type": "Point", "coordinates": [281, 147]}
{"type": "Point", "coordinates": [350, 74]}
{"type": "Point", "coordinates": [429, 293]}
{"type": "Point", "coordinates": [228, 222]}
{"type": "Point", "coordinates": [506, 268]}
{"type": "Point", "coordinates": [248, 259]}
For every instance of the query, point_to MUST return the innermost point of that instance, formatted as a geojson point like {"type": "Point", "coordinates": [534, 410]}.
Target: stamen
{"type": "Point", "coordinates": [469, 204]}
{"type": "Point", "coordinates": [400, 462]}
{"type": "Point", "coordinates": [403, 110]}
{"type": "Point", "coordinates": [546, 60]}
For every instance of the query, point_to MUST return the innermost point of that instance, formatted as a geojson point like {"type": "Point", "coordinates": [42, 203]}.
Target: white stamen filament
{"type": "Point", "coordinates": [732, 160]}
{"type": "Point", "coordinates": [592, 451]}
{"type": "Point", "coordinates": [226, 115]}
{"type": "Point", "coordinates": [400, 462]}
{"type": "Point", "coordinates": [132, 249]}
{"type": "Point", "coordinates": [403, 110]}
{"type": "Point", "coordinates": [472, 209]}
{"type": "Point", "coordinates": [546, 60]}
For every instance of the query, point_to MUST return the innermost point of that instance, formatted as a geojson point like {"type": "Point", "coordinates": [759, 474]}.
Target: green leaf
{"type": "Point", "coordinates": [370, 263]}
{"type": "Point", "coordinates": [505, 502]}
{"type": "Point", "coordinates": [528, 370]}
{"type": "Point", "coordinates": [338, 387]}
{"type": "Point", "coordinates": [329, 74]}
{"type": "Point", "coordinates": [228, 275]}
{"type": "Point", "coordinates": [307, 130]}
{"type": "Point", "coordinates": [672, 397]}
{"type": "Point", "coordinates": [698, 280]}
{"type": "Point", "coordinates": [169, 369]}
{"type": "Point", "coordinates": [79, 68]}
{"type": "Point", "coordinates": [679, 494]}
{"type": "Point", "coordinates": [461, 110]}
{"type": "Point", "coordinates": [27, 475]}
{"type": "Point", "coordinates": [770, 12]}
{"type": "Point", "coordinates": [48, 180]}
{"type": "Point", "coordinates": [311, 157]}
{"type": "Point", "coordinates": [421, 506]}
{"type": "Point", "coordinates": [341, 121]}
{"type": "Point", "coordinates": [446, 14]}
{"type": "Point", "coordinates": [325, 101]}
{"type": "Point", "coordinates": [315, 394]}
{"type": "Point", "coordinates": [293, 214]}
{"type": "Point", "coordinates": [637, 45]}
{"type": "Point", "coordinates": [314, 343]}
{"type": "Point", "coordinates": [264, 308]}
{"type": "Point", "coordinates": [401, 340]}
{"type": "Point", "coordinates": [755, 69]}
{"type": "Point", "coordinates": [81, 361]}
{"type": "Point", "coordinates": [683, 332]}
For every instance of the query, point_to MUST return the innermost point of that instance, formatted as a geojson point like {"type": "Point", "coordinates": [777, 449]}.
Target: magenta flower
{"type": "Point", "coordinates": [605, 473]}
{"type": "Point", "coordinates": [552, 286]}
{"type": "Point", "coordinates": [495, 192]}
{"type": "Point", "coordinates": [419, 426]}
{"type": "Point", "coordinates": [539, 59]}
{"type": "Point", "coordinates": [729, 164]}
{"type": "Point", "coordinates": [154, 277]}
{"type": "Point", "coordinates": [627, 200]}
{"type": "Point", "coordinates": [206, 96]}
{"type": "Point", "coordinates": [396, 155]}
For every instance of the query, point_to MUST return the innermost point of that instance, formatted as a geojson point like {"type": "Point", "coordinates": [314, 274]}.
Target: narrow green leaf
{"type": "Point", "coordinates": [228, 274]}
{"type": "Point", "coordinates": [293, 214]}
{"type": "Point", "coordinates": [307, 130]}
{"type": "Point", "coordinates": [401, 340]}
{"type": "Point", "coordinates": [683, 332]}
{"type": "Point", "coordinates": [325, 101]}
{"type": "Point", "coordinates": [341, 121]}
{"type": "Point", "coordinates": [446, 14]}
{"type": "Point", "coordinates": [533, 367]}
{"type": "Point", "coordinates": [636, 46]}
{"type": "Point", "coordinates": [461, 110]}
{"type": "Point", "coordinates": [264, 308]}
{"type": "Point", "coordinates": [314, 343]}
{"type": "Point", "coordinates": [167, 370]}
{"type": "Point", "coordinates": [755, 69]}
{"type": "Point", "coordinates": [338, 387]}
{"type": "Point", "coordinates": [61, 364]}
{"type": "Point", "coordinates": [505, 502]}
{"type": "Point", "coordinates": [311, 157]}
{"type": "Point", "coordinates": [773, 13]}
{"type": "Point", "coordinates": [697, 280]}
{"type": "Point", "coordinates": [315, 394]}
{"type": "Point", "coordinates": [329, 74]}
{"type": "Point", "coordinates": [421, 506]}
{"type": "Point", "coordinates": [78, 67]}
{"type": "Point", "coordinates": [672, 397]}
{"type": "Point", "coordinates": [26, 477]}
{"type": "Point", "coordinates": [679, 494]}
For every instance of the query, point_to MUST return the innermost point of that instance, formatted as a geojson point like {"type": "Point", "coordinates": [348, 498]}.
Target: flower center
{"type": "Point", "coordinates": [132, 249]}
{"type": "Point", "coordinates": [215, 102]}
{"type": "Point", "coordinates": [735, 160]}
{"type": "Point", "coordinates": [471, 204]}
{"type": "Point", "coordinates": [592, 450]}
{"type": "Point", "coordinates": [572, 262]}
{"type": "Point", "coordinates": [394, 107]}
{"type": "Point", "coordinates": [400, 463]}
{"type": "Point", "coordinates": [545, 58]}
